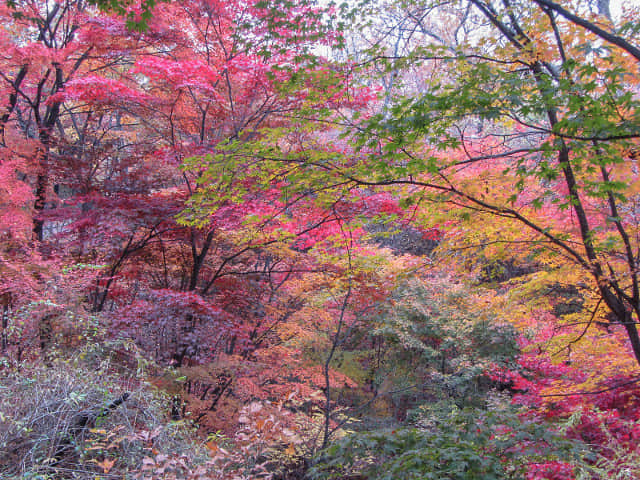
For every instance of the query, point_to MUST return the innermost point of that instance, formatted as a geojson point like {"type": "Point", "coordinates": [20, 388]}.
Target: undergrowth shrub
{"type": "Point", "coordinates": [445, 442]}
{"type": "Point", "coordinates": [78, 420]}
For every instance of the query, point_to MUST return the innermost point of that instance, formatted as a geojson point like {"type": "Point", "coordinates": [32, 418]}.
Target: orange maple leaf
{"type": "Point", "coordinates": [107, 465]}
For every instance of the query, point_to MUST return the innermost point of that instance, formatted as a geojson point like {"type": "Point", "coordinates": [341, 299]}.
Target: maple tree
{"type": "Point", "coordinates": [564, 167]}
{"type": "Point", "coordinates": [122, 122]}
{"type": "Point", "coordinates": [526, 132]}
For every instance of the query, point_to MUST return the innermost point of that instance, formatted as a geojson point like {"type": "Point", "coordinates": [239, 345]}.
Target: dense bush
{"type": "Point", "coordinates": [445, 442]}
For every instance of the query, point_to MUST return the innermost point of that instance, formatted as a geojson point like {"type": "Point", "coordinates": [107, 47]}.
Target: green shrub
{"type": "Point", "coordinates": [451, 444]}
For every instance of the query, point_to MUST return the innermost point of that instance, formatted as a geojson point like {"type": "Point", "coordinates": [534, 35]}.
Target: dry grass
{"type": "Point", "coordinates": [76, 420]}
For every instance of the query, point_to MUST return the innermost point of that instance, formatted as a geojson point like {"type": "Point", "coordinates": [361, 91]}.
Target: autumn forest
{"type": "Point", "coordinates": [290, 239]}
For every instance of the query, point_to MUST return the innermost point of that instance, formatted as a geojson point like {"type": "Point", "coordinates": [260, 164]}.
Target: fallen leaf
{"type": "Point", "coordinates": [106, 464]}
